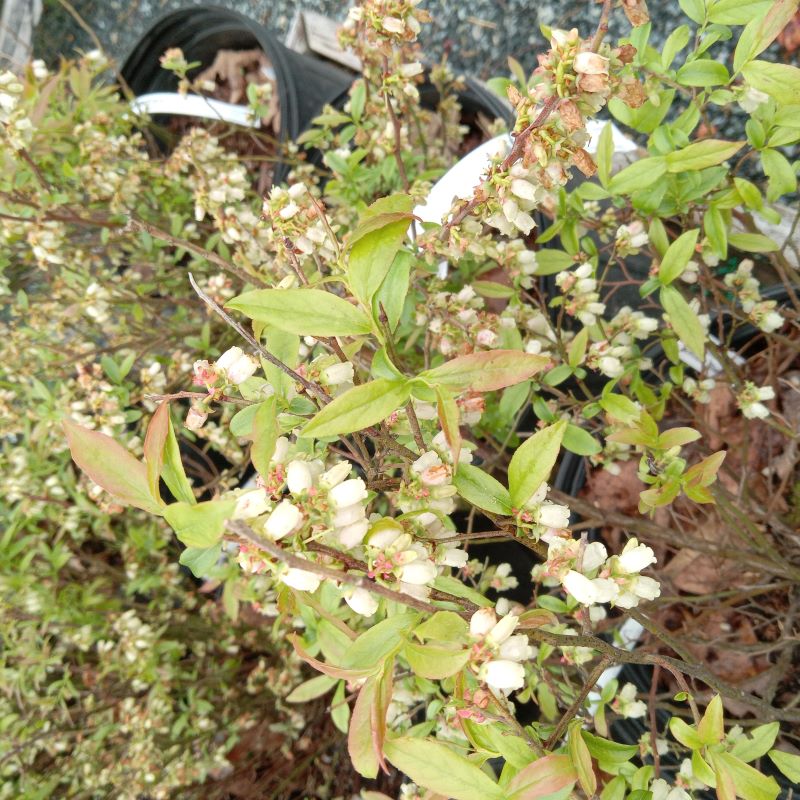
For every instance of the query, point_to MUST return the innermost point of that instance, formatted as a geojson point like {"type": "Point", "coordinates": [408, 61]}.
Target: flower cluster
{"type": "Point", "coordinates": [498, 656]}
{"type": "Point", "coordinates": [761, 313]}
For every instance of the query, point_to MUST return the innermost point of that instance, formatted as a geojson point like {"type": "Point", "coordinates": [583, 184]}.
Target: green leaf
{"type": "Point", "coordinates": [493, 289]}
{"type": "Point", "coordinates": [581, 758]}
{"type": "Point", "coordinates": [391, 294]}
{"type": "Point", "coordinates": [684, 321]}
{"type": "Point", "coordinates": [533, 462]}
{"type": "Point", "coordinates": [550, 261]}
{"type": "Point", "coordinates": [781, 81]}
{"type": "Point", "coordinates": [285, 347]}
{"type": "Point", "coordinates": [621, 408]}
{"type": "Point", "coordinates": [201, 559]}
{"type": "Point", "coordinates": [305, 312]}
{"type": "Point", "coordinates": [340, 710]}
{"type": "Point", "coordinates": [434, 662]}
{"type": "Point", "coordinates": [763, 26]}
{"type": "Point", "coordinates": [437, 768]}
{"type": "Point", "coordinates": [676, 41]}
{"type": "Point", "coordinates": [703, 72]}
{"type": "Point", "coordinates": [700, 155]}
{"type": "Point", "coordinates": [443, 626]}
{"type": "Point", "coordinates": [577, 348]}
{"type": "Point", "coordinates": [311, 689]}
{"type": "Point", "coordinates": [781, 174]}
{"type": "Point", "coordinates": [749, 747]}
{"type": "Point", "coordinates": [111, 466]}
{"type": "Point", "coordinates": [360, 744]}
{"type": "Point", "coordinates": [716, 230]}
{"type": "Point", "coordinates": [265, 435]}
{"type": "Point", "coordinates": [678, 255]}
{"type": "Point", "coordinates": [552, 776]}
{"type": "Point", "coordinates": [456, 587]}
{"type": "Point", "coordinates": [694, 9]}
{"type": "Point", "coordinates": [787, 763]}
{"type": "Point", "coordinates": [482, 490]}
{"type": "Point", "coordinates": [358, 408]}
{"type": "Point", "coordinates": [375, 242]}
{"type": "Point", "coordinates": [639, 175]}
{"type": "Point", "coordinates": [447, 409]}
{"type": "Point", "coordinates": [712, 725]}
{"type": "Point", "coordinates": [753, 242]}
{"type": "Point", "coordinates": [200, 525]}
{"type": "Point", "coordinates": [736, 12]}
{"type": "Point", "coordinates": [580, 441]}
{"type": "Point", "coordinates": [685, 734]}
{"type": "Point", "coordinates": [608, 752]}
{"type": "Point", "coordinates": [486, 371]}
{"type": "Point", "coordinates": [172, 471]}
{"type": "Point", "coordinates": [377, 643]}
{"type": "Point", "coordinates": [749, 783]}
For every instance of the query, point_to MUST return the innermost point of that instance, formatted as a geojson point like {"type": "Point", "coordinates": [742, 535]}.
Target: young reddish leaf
{"type": "Point", "coordinates": [154, 441]}
{"type": "Point", "coordinates": [328, 669]}
{"type": "Point", "coordinates": [110, 466]}
{"type": "Point", "coordinates": [380, 708]}
{"type": "Point", "coordinates": [359, 737]}
{"type": "Point", "coordinates": [486, 371]}
{"type": "Point", "coordinates": [172, 470]}
{"type": "Point", "coordinates": [448, 420]}
{"type": "Point", "coordinates": [704, 473]}
{"type": "Point", "coordinates": [544, 777]}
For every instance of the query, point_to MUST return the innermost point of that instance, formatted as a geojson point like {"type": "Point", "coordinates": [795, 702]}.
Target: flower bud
{"type": "Point", "coordinates": [301, 579]}
{"type": "Point", "coordinates": [335, 475]}
{"type": "Point", "coordinates": [352, 535]}
{"type": "Point", "coordinates": [635, 557]}
{"type": "Point", "coordinates": [482, 621]}
{"type": "Point", "coordinates": [588, 592]}
{"type": "Point", "coordinates": [298, 477]}
{"type": "Point", "coordinates": [502, 630]}
{"type": "Point", "coordinates": [283, 520]}
{"type": "Point", "coordinates": [251, 504]}
{"type": "Point", "coordinates": [362, 602]}
{"type": "Point", "coordinates": [337, 374]}
{"type": "Point", "coordinates": [418, 572]}
{"type": "Point", "coordinates": [348, 493]}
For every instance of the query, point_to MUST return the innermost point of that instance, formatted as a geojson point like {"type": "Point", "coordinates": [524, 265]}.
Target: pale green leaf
{"type": "Point", "coordinates": [311, 689]}
{"type": "Point", "coordinates": [360, 744]}
{"type": "Point", "coordinates": [787, 763]}
{"type": "Point", "coordinates": [201, 559]}
{"type": "Point", "coordinates": [639, 175]}
{"type": "Point", "coordinates": [200, 525]}
{"type": "Point", "coordinates": [482, 490]}
{"type": "Point", "coordinates": [550, 261]}
{"type": "Point", "coordinates": [700, 155]}
{"type": "Point", "coordinates": [678, 255]}
{"type": "Point", "coordinates": [374, 645]}
{"type": "Point", "coordinates": [684, 320]}
{"type": "Point", "coordinates": [533, 462]}
{"type": "Point", "coordinates": [436, 767]}
{"type": "Point", "coordinates": [753, 242]}
{"type": "Point", "coordinates": [703, 72]}
{"type": "Point", "coordinates": [305, 312]}
{"type": "Point", "coordinates": [434, 662]}
{"type": "Point", "coordinates": [781, 81]}
{"type": "Point", "coordinates": [358, 408]}
{"type": "Point", "coordinates": [580, 441]}
{"type": "Point", "coordinates": [265, 434]}
{"type": "Point", "coordinates": [750, 784]}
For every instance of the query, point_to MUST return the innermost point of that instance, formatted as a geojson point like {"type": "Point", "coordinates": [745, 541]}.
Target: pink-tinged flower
{"type": "Point", "coordinates": [283, 520]}
{"type": "Point", "coordinates": [393, 25]}
{"type": "Point", "coordinates": [204, 373]}
{"type": "Point", "coordinates": [503, 675]}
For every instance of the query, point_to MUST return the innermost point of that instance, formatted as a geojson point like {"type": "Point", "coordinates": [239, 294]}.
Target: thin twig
{"type": "Point", "coordinates": [208, 255]}
{"type": "Point", "coordinates": [317, 391]}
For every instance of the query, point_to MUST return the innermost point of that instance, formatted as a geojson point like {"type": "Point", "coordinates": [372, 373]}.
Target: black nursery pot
{"type": "Point", "coordinates": [304, 84]}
